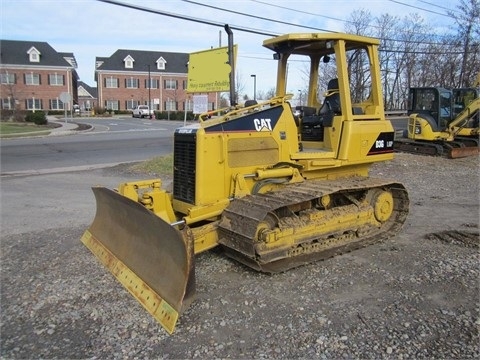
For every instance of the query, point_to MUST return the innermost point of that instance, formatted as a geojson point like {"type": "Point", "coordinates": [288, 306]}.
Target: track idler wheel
{"type": "Point", "coordinates": [266, 226]}
{"type": "Point", "coordinates": [382, 204]}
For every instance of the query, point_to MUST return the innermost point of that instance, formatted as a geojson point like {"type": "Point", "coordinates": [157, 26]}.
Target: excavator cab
{"type": "Point", "coordinates": [432, 104]}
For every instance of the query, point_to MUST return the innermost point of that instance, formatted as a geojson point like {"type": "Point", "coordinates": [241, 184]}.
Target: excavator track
{"type": "Point", "coordinates": [311, 221]}
{"type": "Point", "coordinates": [419, 147]}
{"type": "Point", "coordinates": [461, 147]}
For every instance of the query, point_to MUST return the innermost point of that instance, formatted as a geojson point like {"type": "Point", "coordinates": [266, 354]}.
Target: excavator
{"type": "Point", "coordinates": [272, 189]}
{"type": "Point", "coordinates": [442, 122]}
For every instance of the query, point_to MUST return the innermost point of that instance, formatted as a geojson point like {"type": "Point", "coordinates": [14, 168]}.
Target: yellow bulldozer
{"type": "Point", "coordinates": [272, 188]}
{"type": "Point", "coordinates": [442, 122]}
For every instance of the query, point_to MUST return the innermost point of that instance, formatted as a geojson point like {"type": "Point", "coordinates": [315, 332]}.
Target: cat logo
{"type": "Point", "coordinates": [262, 124]}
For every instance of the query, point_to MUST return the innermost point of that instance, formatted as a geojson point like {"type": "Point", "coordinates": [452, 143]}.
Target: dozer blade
{"type": "Point", "coordinates": [153, 260]}
{"type": "Point", "coordinates": [461, 152]}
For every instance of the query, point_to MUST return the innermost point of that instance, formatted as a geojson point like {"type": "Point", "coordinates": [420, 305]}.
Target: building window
{"type": "Point", "coordinates": [128, 61]}
{"type": "Point", "coordinates": [131, 83]}
{"type": "Point", "coordinates": [56, 104]}
{"type": "Point", "coordinates": [111, 82]}
{"type": "Point", "coordinates": [8, 104]}
{"type": "Point", "coordinates": [7, 78]}
{"type": "Point", "coordinates": [170, 105]}
{"type": "Point", "coordinates": [170, 84]}
{"type": "Point", "coordinates": [161, 63]}
{"type": "Point", "coordinates": [153, 83]}
{"type": "Point", "coordinates": [55, 79]}
{"type": "Point", "coordinates": [131, 104]}
{"type": "Point", "coordinates": [111, 105]}
{"type": "Point", "coordinates": [33, 54]}
{"type": "Point", "coordinates": [32, 79]}
{"type": "Point", "coordinates": [188, 106]}
{"type": "Point", "coordinates": [34, 104]}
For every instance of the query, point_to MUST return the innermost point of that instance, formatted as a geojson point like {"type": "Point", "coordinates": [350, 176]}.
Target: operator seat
{"type": "Point", "coordinates": [313, 124]}
{"type": "Point", "coordinates": [331, 104]}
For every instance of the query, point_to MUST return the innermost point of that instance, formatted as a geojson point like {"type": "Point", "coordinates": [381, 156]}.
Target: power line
{"type": "Point", "coordinates": [236, 27]}
{"type": "Point", "coordinates": [188, 18]}
{"type": "Point", "coordinates": [438, 6]}
{"type": "Point", "coordinates": [419, 8]}
{"type": "Point", "coordinates": [301, 11]}
{"type": "Point", "coordinates": [298, 25]}
{"type": "Point", "coordinates": [257, 17]}
{"type": "Point", "coordinates": [323, 16]}
{"type": "Point", "coordinates": [418, 52]}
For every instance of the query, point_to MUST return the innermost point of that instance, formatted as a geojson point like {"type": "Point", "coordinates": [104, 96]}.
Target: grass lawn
{"type": "Point", "coordinates": [160, 165]}
{"type": "Point", "coordinates": [17, 129]}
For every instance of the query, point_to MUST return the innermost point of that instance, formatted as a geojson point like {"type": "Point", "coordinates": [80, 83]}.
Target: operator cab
{"type": "Point", "coordinates": [432, 104]}
{"type": "Point", "coordinates": [336, 93]}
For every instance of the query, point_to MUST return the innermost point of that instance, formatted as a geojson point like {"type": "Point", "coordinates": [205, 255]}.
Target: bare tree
{"type": "Point", "coordinates": [359, 24]}
{"type": "Point", "coordinates": [468, 36]}
{"type": "Point", "coordinates": [387, 26]}
{"type": "Point", "coordinates": [12, 95]}
{"type": "Point", "coordinates": [239, 85]}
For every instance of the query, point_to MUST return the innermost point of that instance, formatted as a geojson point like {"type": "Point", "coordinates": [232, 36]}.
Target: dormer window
{"type": "Point", "coordinates": [161, 63]}
{"type": "Point", "coordinates": [34, 54]}
{"type": "Point", "coordinates": [128, 62]}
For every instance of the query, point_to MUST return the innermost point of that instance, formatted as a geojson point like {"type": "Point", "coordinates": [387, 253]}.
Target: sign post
{"type": "Point", "coordinates": [65, 98]}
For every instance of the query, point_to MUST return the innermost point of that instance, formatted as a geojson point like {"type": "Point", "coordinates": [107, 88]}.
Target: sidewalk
{"type": "Point", "coordinates": [65, 128]}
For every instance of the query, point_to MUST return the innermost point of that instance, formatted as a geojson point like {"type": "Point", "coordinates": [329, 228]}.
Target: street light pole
{"type": "Point", "coordinates": [149, 86]}
{"type": "Point", "coordinates": [254, 86]}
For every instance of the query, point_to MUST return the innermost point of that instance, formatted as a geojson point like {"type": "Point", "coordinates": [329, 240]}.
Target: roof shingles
{"type": "Point", "coordinates": [175, 62]}
{"type": "Point", "coordinates": [15, 52]}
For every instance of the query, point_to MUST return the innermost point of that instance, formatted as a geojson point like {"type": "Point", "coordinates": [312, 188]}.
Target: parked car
{"type": "Point", "coordinates": [142, 111]}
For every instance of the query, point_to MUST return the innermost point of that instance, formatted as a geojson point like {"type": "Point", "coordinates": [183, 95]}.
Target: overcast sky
{"type": "Point", "coordinates": [91, 28]}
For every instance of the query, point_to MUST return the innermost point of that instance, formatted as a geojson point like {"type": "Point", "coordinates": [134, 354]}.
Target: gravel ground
{"type": "Point", "coordinates": [414, 296]}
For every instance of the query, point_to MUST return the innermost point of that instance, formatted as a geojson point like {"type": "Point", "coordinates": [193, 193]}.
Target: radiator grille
{"type": "Point", "coordinates": [184, 165]}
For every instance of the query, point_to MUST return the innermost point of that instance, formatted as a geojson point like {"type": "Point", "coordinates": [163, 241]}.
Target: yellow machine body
{"type": "Point", "coordinates": [442, 121]}
{"type": "Point", "coordinates": [276, 189]}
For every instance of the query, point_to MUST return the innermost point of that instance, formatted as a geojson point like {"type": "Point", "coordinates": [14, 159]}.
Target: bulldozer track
{"type": "Point", "coordinates": [249, 223]}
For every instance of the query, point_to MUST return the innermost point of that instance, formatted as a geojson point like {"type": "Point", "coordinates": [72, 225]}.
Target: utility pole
{"type": "Point", "coordinates": [149, 86]}
{"type": "Point", "coordinates": [254, 86]}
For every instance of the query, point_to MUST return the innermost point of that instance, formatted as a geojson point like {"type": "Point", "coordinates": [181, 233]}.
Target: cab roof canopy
{"type": "Point", "coordinates": [315, 43]}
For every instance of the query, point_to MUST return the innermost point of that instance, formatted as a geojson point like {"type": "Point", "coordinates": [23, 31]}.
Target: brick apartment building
{"type": "Point", "coordinates": [87, 97]}
{"type": "Point", "coordinates": [123, 81]}
{"type": "Point", "coordinates": [33, 75]}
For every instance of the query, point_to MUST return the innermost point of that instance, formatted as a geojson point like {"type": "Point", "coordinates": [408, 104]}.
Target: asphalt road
{"type": "Point", "coordinates": [111, 141]}
{"type": "Point", "coordinates": [399, 123]}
